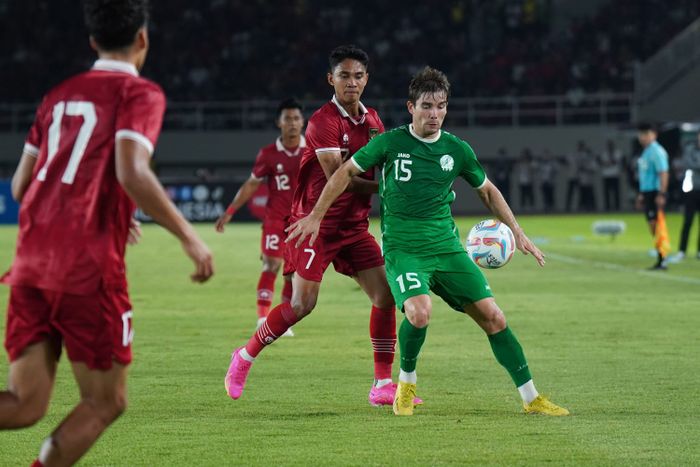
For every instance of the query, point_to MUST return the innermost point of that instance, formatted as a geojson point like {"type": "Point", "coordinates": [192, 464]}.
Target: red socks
{"type": "Point", "coordinates": [37, 463]}
{"type": "Point", "coordinates": [279, 319]}
{"type": "Point", "coordinates": [287, 291]}
{"type": "Point", "coordinates": [382, 332]}
{"type": "Point", "coordinates": [266, 290]}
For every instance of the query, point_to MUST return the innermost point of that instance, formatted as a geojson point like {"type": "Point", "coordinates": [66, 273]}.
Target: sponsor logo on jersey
{"type": "Point", "coordinates": [447, 163]}
{"type": "Point", "coordinates": [346, 138]}
{"type": "Point", "coordinates": [403, 155]}
{"type": "Point", "coordinates": [280, 168]}
{"type": "Point", "coordinates": [373, 132]}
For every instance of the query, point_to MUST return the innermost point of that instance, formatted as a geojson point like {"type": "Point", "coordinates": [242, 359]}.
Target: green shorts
{"type": "Point", "coordinates": [452, 276]}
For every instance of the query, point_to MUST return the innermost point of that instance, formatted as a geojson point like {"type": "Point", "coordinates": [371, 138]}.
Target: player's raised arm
{"type": "Point", "coordinates": [309, 225]}
{"type": "Point", "coordinates": [137, 179]}
{"type": "Point", "coordinates": [494, 201]}
{"type": "Point", "coordinates": [244, 193]}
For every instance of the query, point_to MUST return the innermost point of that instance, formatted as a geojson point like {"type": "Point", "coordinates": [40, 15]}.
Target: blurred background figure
{"type": "Point", "coordinates": [611, 169]}
{"type": "Point", "coordinates": [547, 170]}
{"type": "Point", "coordinates": [501, 172]}
{"type": "Point", "coordinates": [573, 162]}
{"type": "Point", "coordinates": [526, 176]}
{"type": "Point", "coordinates": [691, 198]}
{"type": "Point", "coordinates": [588, 170]}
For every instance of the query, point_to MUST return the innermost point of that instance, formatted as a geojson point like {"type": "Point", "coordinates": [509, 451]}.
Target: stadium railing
{"type": "Point", "coordinates": [592, 109]}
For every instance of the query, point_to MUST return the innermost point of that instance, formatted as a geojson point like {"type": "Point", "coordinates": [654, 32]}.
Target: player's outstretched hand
{"type": "Point", "coordinates": [525, 245]}
{"type": "Point", "coordinates": [303, 229]}
{"type": "Point", "coordinates": [222, 221]}
{"type": "Point", "coordinates": [134, 232]}
{"type": "Point", "coordinates": [201, 256]}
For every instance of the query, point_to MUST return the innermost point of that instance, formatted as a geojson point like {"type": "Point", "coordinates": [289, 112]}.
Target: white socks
{"type": "Point", "coordinates": [246, 356]}
{"type": "Point", "coordinates": [528, 392]}
{"type": "Point", "coordinates": [410, 377]}
{"type": "Point", "coordinates": [382, 382]}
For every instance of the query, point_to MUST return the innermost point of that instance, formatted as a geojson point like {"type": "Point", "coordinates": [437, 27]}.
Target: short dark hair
{"type": "Point", "coordinates": [647, 126]}
{"type": "Point", "coordinates": [289, 103]}
{"type": "Point", "coordinates": [428, 80]}
{"type": "Point", "coordinates": [113, 23]}
{"type": "Point", "coordinates": [343, 52]}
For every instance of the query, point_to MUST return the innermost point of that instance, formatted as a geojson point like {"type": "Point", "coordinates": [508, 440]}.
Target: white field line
{"type": "Point", "coordinates": [661, 275]}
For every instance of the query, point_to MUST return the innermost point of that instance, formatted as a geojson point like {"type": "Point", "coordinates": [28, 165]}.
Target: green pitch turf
{"type": "Point", "coordinates": [615, 344]}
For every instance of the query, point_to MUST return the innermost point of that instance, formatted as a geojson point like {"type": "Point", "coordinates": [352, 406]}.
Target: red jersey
{"type": "Point", "coordinates": [281, 167]}
{"type": "Point", "coordinates": [74, 217]}
{"type": "Point", "coordinates": [331, 128]}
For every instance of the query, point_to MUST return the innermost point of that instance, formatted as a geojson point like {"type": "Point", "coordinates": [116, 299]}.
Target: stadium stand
{"type": "Point", "coordinates": [218, 50]}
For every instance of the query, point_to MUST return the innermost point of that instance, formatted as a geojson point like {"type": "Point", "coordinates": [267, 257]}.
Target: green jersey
{"type": "Point", "coordinates": [417, 175]}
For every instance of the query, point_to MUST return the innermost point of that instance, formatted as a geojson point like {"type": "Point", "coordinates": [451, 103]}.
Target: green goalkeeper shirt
{"type": "Point", "coordinates": [417, 175]}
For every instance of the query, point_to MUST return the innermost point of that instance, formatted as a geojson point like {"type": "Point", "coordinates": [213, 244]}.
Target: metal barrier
{"type": "Point", "coordinates": [593, 109]}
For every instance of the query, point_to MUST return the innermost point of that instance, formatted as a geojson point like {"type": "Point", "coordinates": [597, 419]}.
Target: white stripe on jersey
{"type": "Point", "coordinates": [319, 150]}
{"type": "Point", "coordinates": [31, 149]}
{"type": "Point", "coordinates": [134, 136]}
{"type": "Point", "coordinates": [357, 165]}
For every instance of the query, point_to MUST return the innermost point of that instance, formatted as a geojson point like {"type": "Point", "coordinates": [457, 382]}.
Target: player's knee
{"type": "Point", "coordinates": [494, 320]}
{"type": "Point", "coordinates": [418, 316]}
{"type": "Point", "coordinates": [383, 301]}
{"type": "Point", "coordinates": [420, 319]}
{"type": "Point", "coordinates": [110, 408]}
{"type": "Point", "coordinates": [303, 306]}
{"type": "Point", "coordinates": [272, 265]}
{"type": "Point", "coordinates": [26, 415]}
{"type": "Point", "coordinates": [30, 417]}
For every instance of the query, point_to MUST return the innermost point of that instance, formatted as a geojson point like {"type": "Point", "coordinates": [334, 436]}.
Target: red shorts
{"type": "Point", "coordinates": [350, 251]}
{"type": "Point", "coordinates": [273, 237]}
{"type": "Point", "coordinates": [95, 329]}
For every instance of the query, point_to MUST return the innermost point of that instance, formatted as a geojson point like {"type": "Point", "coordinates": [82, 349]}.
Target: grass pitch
{"type": "Point", "coordinates": [615, 344]}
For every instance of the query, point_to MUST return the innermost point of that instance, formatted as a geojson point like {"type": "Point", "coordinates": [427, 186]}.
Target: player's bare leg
{"type": "Point", "coordinates": [279, 320]}
{"type": "Point", "coordinates": [414, 327]}
{"type": "Point", "coordinates": [102, 400]}
{"type": "Point", "coordinates": [266, 285]}
{"type": "Point", "coordinates": [30, 383]}
{"type": "Point", "coordinates": [510, 355]}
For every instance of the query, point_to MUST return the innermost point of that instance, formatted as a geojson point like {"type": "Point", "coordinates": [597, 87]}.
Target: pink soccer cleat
{"type": "Point", "coordinates": [236, 375]}
{"type": "Point", "coordinates": [385, 395]}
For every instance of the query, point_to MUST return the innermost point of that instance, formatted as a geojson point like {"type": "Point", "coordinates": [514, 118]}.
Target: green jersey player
{"type": "Point", "coordinates": [419, 163]}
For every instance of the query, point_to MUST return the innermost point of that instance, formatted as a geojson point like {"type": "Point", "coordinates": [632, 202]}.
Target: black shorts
{"type": "Point", "coordinates": [651, 211]}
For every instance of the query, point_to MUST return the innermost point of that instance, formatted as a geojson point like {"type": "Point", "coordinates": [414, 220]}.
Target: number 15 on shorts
{"type": "Point", "coordinates": [411, 280]}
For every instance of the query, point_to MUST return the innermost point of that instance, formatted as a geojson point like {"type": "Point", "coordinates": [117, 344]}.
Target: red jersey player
{"type": "Point", "coordinates": [279, 164]}
{"type": "Point", "coordinates": [85, 159]}
{"type": "Point", "coordinates": [334, 133]}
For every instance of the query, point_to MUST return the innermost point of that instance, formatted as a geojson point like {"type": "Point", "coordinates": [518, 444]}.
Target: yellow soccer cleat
{"type": "Point", "coordinates": [543, 406]}
{"type": "Point", "coordinates": [404, 398]}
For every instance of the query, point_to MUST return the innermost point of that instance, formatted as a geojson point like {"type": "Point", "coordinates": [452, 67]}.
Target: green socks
{"type": "Point", "coordinates": [508, 353]}
{"type": "Point", "coordinates": [411, 340]}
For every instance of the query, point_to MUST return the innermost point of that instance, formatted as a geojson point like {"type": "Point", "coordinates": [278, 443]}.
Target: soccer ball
{"type": "Point", "coordinates": [490, 244]}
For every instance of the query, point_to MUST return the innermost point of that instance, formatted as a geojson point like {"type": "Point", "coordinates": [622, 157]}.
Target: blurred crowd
{"type": "Point", "coordinates": [235, 49]}
{"type": "Point", "coordinates": [582, 180]}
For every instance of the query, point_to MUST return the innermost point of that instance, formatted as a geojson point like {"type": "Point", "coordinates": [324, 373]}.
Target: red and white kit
{"type": "Point", "coordinates": [343, 237]}
{"type": "Point", "coordinates": [68, 277]}
{"type": "Point", "coordinates": [280, 166]}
